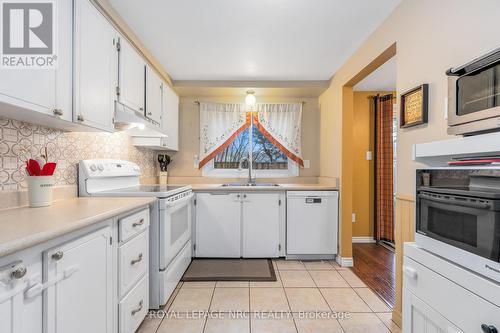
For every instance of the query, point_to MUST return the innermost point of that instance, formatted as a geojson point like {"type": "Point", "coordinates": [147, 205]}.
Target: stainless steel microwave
{"type": "Point", "coordinates": [458, 217]}
{"type": "Point", "coordinates": [474, 96]}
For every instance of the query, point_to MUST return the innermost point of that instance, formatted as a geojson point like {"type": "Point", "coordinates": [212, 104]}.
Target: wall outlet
{"type": "Point", "coordinates": [446, 108]}
{"type": "Point", "coordinates": [369, 155]}
{"type": "Point", "coordinates": [307, 164]}
{"type": "Point", "coordinates": [353, 217]}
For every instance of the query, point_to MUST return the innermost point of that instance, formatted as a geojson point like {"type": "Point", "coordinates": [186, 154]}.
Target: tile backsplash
{"type": "Point", "coordinates": [65, 148]}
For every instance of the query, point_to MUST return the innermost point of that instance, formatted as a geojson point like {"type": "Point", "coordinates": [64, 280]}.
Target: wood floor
{"type": "Point", "coordinates": [375, 265]}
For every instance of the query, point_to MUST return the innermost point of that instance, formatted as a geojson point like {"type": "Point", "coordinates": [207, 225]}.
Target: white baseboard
{"type": "Point", "coordinates": [344, 261]}
{"type": "Point", "coordinates": [363, 240]}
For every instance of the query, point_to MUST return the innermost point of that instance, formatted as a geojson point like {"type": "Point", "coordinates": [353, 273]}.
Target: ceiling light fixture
{"type": "Point", "coordinates": [250, 99]}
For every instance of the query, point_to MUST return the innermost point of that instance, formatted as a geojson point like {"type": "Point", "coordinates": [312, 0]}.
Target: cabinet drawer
{"type": "Point", "coordinates": [134, 307]}
{"type": "Point", "coordinates": [173, 274]}
{"type": "Point", "coordinates": [460, 306]}
{"type": "Point", "coordinates": [133, 224]}
{"type": "Point", "coordinates": [133, 261]}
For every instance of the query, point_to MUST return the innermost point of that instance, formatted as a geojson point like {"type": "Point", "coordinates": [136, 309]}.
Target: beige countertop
{"type": "Point", "coordinates": [24, 227]}
{"type": "Point", "coordinates": [281, 187]}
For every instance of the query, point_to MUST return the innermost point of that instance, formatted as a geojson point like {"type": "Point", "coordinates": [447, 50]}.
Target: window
{"type": "Point", "coordinates": [267, 159]}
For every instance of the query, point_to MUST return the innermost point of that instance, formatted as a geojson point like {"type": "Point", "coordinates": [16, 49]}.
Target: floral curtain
{"type": "Point", "coordinates": [220, 124]}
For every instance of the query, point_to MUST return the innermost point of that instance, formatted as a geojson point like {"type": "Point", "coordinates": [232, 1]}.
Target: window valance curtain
{"type": "Point", "coordinates": [220, 124]}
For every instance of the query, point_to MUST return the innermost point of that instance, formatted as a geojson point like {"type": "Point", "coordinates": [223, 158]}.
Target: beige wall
{"type": "Point", "coordinates": [183, 169]}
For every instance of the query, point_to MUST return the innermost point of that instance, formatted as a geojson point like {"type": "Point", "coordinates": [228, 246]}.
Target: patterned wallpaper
{"type": "Point", "coordinates": [65, 148]}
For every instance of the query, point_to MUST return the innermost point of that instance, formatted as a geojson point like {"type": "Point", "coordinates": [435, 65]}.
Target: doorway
{"type": "Point", "coordinates": [374, 133]}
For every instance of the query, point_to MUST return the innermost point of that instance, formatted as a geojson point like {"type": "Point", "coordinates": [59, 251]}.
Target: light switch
{"type": "Point", "coordinates": [369, 155]}
{"type": "Point", "coordinates": [353, 217]}
{"type": "Point", "coordinates": [307, 164]}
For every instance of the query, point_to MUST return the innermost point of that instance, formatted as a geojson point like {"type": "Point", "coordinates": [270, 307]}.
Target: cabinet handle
{"type": "Point", "coordinates": [489, 328]}
{"type": "Point", "coordinates": [141, 109]}
{"type": "Point", "coordinates": [138, 224]}
{"type": "Point", "coordinates": [150, 113]}
{"type": "Point", "coordinates": [135, 261]}
{"type": "Point", "coordinates": [79, 117]}
{"type": "Point", "coordinates": [57, 112]}
{"type": "Point", "coordinates": [139, 308]}
{"type": "Point", "coordinates": [18, 272]}
{"type": "Point", "coordinates": [58, 255]}
{"type": "Point", "coordinates": [410, 272]}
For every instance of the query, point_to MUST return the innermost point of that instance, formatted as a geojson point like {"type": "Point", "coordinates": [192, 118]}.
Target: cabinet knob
{"type": "Point", "coordinates": [141, 109]}
{"type": "Point", "coordinates": [244, 195]}
{"type": "Point", "coordinates": [489, 328]}
{"type": "Point", "coordinates": [57, 112]}
{"type": "Point", "coordinates": [58, 255]}
{"type": "Point", "coordinates": [79, 117]}
{"type": "Point", "coordinates": [18, 272]}
{"type": "Point", "coordinates": [238, 196]}
{"type": "Point", "coordinates": [150, 113]}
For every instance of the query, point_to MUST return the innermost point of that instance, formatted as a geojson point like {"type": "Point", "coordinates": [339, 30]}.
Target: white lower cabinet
{"type": "Point", "coordinates": [20, 313]}
{"type": "Point", "coordinates": [261, 227]}
{"type": "Point", "coordinates": [233, 225]}
{"type": "Point", "coordinates": [218, 225]}
{"type": "Point", "coordinates": [79, 276]}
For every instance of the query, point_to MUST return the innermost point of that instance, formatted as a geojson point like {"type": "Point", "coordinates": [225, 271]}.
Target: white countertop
{"type": "Point", "coordinates": [24, 227]}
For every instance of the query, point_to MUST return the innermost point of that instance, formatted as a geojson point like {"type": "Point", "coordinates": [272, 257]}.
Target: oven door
{"type": "Point", "coordinates": [175, 228]}
{"type": "Point", "coordinates": [467, 223]}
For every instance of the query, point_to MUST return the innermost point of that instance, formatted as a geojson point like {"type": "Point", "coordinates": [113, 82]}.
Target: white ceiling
{"type": "Point", "coordinates": [253, 40]}
{"type": "Point", "coordinates": [381, 79]}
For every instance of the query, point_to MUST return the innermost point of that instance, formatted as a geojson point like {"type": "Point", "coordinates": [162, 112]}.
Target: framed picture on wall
{"type": "Point", "coordinates": [414, 106]}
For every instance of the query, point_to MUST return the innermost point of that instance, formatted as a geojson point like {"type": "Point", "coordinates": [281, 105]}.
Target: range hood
{"type": "Point", "coordinates": [135, 123]}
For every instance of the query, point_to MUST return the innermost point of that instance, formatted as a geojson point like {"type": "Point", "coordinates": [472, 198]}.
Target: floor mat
{"type": "Point", "coordinates": [230, 270]}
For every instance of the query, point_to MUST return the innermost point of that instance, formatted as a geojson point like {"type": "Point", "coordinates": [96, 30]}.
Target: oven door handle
{"type": "Point", "coordinates": [470, 204]}
{"type": "Point", "coordinates": [179, 202]}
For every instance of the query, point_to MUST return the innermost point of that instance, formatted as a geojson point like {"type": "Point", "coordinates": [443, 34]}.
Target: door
{"type": "Point", "coordinates": [418, 317]}
{"type": "Point", "coordinates": [20, 311]}
{"type": "Point", "coordinates": [261, 225]}
{"type": "Point", "coordinates": [312, 222]}
{"type": "Point", "coordinates": [79, 279]}
{"type": "Point", "coordinates": [175, 227]}
{"type": "Point", "coordinates": [218, 217]}
{"type": "Point", "coordinates": [170, 117]}
{"type": "Point", "coordinates": [47, 91]}
{"type": "Point", "coordinates": [154, 91]}
{"type": "Point", "coordinates": [96, 70]}
{"type": "Point", "coordinates": [131, 74]}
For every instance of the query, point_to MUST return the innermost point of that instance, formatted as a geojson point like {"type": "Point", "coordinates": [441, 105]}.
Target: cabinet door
{"type": "Point", "coordinates": [20, 312]}
{"type": "Point", "coordinates": [154, 87]}
{"type": "Point", "coordinates": [96, 71]}
{"type": "Point", "coordinates": [131, 73]}
{"type": "Point", "coordinates": [170, 118]}
{"type": "Point", "coordinates": [79, 276]}
{"type": "Point", "coordinates": [218, 217]}
{"type": "Point", "coordinates": [44, 91]}
{"type": "Point", "coordinates": [261, 225]}
{"type": "Point", "coordinates": [418, 317]}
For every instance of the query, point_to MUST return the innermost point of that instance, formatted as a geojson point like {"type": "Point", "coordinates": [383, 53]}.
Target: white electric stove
{"type": "Point", "coordinates": [170, 226]}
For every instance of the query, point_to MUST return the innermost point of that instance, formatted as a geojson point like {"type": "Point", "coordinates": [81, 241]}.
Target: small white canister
{"type": "Point", "coordinates": [40, 190]}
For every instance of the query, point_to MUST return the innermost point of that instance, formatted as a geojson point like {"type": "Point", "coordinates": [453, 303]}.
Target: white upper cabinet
{"type": "Point", "coordinates": [154, 87]}
{"type": "Point", "coordinates": [170, 118]}
{"type": "Point", "coordinates": [131, 77]}
{"type": "Point", "coordinates": [45, 92]}
{"type": "Point", "coordinates": [96, 69]}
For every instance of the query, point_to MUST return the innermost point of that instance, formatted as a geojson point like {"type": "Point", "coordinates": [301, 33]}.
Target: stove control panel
{"type": "Point", "coordinates": [109, 168]}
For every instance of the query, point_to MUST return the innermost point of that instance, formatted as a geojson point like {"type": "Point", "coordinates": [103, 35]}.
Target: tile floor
{"type": "Point", "coordinates": [308, 297]}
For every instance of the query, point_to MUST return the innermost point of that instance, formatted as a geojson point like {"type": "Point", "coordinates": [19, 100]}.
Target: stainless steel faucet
{"type": "Point", "coordinates": [250, 181]}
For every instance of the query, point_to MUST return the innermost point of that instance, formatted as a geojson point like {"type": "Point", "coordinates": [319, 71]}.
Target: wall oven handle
{"type": "Point", "coordinates": [463, 203]}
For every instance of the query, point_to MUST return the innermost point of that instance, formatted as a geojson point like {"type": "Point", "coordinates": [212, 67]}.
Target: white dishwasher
{"type": "Point", "coordinates": [312, 224]}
